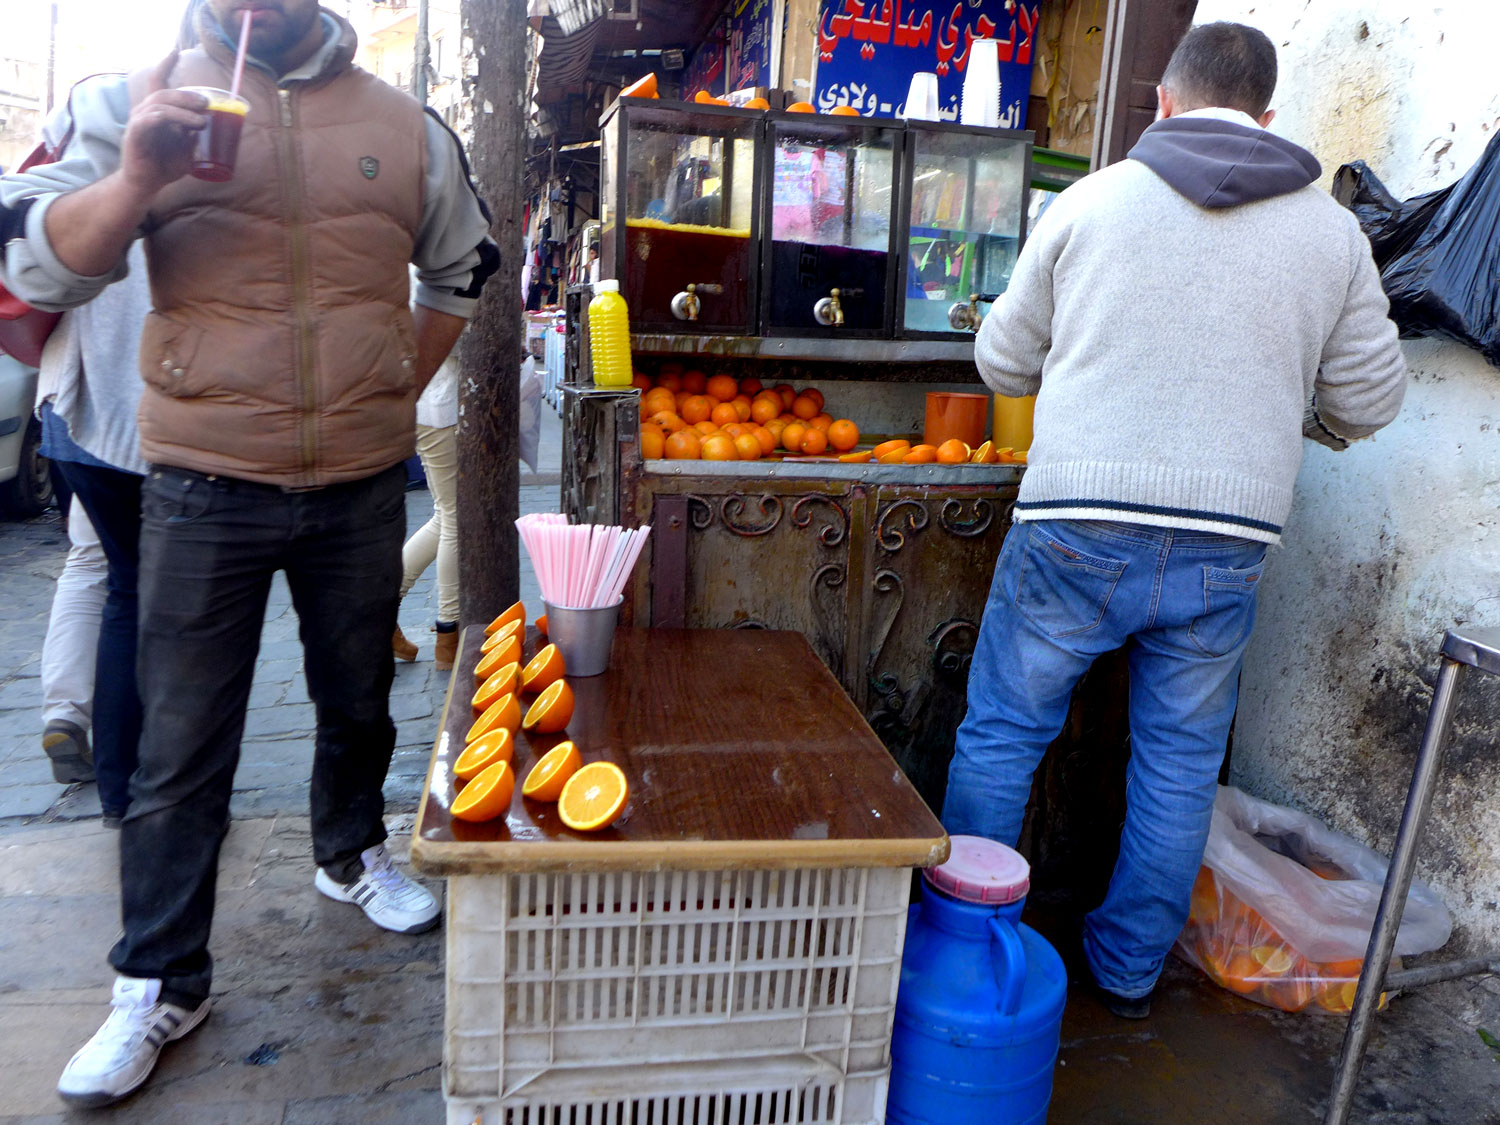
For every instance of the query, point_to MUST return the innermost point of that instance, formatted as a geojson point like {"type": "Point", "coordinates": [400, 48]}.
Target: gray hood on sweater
{"type": "Point", "coordinates": [1217, 163]}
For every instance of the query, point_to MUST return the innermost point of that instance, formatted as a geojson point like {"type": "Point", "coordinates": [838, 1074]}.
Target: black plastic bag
{"type": "Point", "coordinates": [1439, 253]}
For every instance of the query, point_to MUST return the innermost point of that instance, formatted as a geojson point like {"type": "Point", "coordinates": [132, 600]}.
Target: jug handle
{"type": "Point", "coordinates": [1009, 962]}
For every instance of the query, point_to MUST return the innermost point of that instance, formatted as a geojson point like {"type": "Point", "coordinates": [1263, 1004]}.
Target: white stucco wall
{"type": "Point", "coordinates": [1396, 539]}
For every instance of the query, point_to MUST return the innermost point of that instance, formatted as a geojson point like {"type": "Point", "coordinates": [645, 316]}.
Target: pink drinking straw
{"type": "Point", "coordinates": [239, 59]}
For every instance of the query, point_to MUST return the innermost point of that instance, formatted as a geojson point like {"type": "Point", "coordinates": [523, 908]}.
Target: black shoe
{"type": "Point", "coordinates": [1125, 1007]}
{"type": "Point", "coordinates": [67, 744]}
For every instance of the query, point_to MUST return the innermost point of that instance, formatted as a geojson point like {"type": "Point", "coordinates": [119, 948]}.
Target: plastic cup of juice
{"type": "Point", "coordinates": [219, 141]}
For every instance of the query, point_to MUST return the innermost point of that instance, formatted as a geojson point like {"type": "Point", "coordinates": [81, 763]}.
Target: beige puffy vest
{"type": "Point", "coordinates": [281, 347]}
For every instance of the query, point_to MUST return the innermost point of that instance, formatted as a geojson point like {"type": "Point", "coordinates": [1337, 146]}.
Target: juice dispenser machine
{"type": "Point", "coordinates": [966, 218]}
{"type": "Point", "coordinates": [679, 192]}
{"type": "Point", "coordinates": [831, 255]}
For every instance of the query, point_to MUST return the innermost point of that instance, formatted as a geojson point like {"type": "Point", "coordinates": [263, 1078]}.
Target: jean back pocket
{"type": "Point", "coordinates": [1062, 589]}
{"type": "Point", "coordinates": [1229, 599]}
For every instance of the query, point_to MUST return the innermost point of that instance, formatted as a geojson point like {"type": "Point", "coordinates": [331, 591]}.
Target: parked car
{"type": "Point", "coordinates": [25, 476]}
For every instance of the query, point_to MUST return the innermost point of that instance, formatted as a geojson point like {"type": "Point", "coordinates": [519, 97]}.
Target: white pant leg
{"type": "Point", "coordinates": [72, 643]}
{"type": "Point", "coordinates": [438, 448]}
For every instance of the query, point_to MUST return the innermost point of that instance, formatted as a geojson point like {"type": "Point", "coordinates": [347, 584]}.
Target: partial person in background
{"type": "Point", "coordinates": [71, 649]}
{"type": "Point", "coordinates": [92, 383]}
{"type": "Point", "coordinates": [437, 539]}
{"type": "Point", "coordinates": [1185, 317]}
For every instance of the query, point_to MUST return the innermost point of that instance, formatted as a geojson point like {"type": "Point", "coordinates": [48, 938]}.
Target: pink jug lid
{"type": "Point", "coordinates": [981, 870]}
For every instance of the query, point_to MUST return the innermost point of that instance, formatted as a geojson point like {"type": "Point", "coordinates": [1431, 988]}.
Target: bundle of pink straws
{"type": "Point", "coordinates": [580, 566]}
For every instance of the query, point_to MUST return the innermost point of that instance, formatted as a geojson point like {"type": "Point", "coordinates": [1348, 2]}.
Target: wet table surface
{"type": "Point", "coordinates": [741, 751]}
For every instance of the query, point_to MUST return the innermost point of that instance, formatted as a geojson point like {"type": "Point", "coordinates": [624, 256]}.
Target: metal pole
{"type": "Point", "coordinates": [1393, 898]}
{"type": "Point", "coordinates": [419, 72]}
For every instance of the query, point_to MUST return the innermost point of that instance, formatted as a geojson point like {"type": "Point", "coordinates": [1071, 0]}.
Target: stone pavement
{"type": "Point", "coordinates": [319, 1017]}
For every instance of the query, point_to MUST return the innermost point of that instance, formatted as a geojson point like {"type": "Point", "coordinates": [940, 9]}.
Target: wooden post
{"type": "Point", "coordinates": [490, 353]}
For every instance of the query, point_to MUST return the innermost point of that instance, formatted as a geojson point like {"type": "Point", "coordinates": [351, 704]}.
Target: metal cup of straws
{"type": "Point", "coordinates": [584, 636]}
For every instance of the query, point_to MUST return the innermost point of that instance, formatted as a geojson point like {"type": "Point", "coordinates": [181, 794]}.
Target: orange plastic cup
{"type": "Point", "coordinates": [951, 414]}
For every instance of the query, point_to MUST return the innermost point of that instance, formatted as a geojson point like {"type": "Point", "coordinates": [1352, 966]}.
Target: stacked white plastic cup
{"type": "Point", "coordinates": [981, 95]}
{"type": "Point", "coordinates": [922, 97]}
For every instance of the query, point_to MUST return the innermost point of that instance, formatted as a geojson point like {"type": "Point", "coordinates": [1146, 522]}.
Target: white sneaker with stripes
{"type": "Point", "coordinates": [389, 899]}
{"type": "Point", "coordinates": [120, 1056]}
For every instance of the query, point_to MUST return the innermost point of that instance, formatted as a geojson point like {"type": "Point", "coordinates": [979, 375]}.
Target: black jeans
{"type": "Point", "coordinates": [112, 499]}
{"type": "Point", "coordinates": [209, 547]}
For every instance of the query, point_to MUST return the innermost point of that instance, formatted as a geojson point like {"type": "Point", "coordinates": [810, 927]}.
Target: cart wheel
{"type": "Point", "coordinates": [29, 492]}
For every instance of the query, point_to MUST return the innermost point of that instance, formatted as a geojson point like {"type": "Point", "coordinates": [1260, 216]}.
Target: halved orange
{"type": "Point", "coordinates": [856, 458]}
{"type": "Point", "coordinates": [593, 797]}
{"type": "Point", "coordinates": [484, 751]}
{"type": "Point", "coordinates": [894, 457]}
{"type": "Point", "coordinates": [501, 682]}
{"type": "Point", "coordinates": [983, 454]}
{"type": "Point", "coordinates": [541, 624]}
{"type": "Point", "coordinates": [488, 665]}
{"type": "Point", "coordinates": [487, 795]}
{"type": "Point", "coordinates": [546, 780]}
{"type": "Point", "coordinates": [954, 452]}
{"type": "Point", "coordinates": [1019, 457]}
{"type": "Point", "coordinates": [552, 709]}
{"type": "Point", "coordinates": [504, 712]}
{"type": "Point", "coordinates": [920, 455]}
{"type": "Point", "coordinates": [545, 668]}
{"type": "Point", "coordinates": [517, 612]}
{"type": "Point", "coordinates": [508, 647]}
{"type": "Point", "coordinates": [889, 447]}
{"type": "Point", "coordinates": [513, 629]}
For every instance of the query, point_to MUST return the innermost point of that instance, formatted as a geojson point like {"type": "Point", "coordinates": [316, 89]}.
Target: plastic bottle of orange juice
{"type": "Point", "coordinates": [609, 336]}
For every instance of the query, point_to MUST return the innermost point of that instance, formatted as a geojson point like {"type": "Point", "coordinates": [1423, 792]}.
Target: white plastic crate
{"type": "Point", "coordinates": [737, 996]}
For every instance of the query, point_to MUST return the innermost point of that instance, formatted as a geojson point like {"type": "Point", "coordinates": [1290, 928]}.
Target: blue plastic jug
{"type": "Point", "coordinates": [979, 1013]}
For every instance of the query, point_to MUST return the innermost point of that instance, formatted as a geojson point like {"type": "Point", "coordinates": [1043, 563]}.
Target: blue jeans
{"type": "Point", "coordinates": [1064, 593]}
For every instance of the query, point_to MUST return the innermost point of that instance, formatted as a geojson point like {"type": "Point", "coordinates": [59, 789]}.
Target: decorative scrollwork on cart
{"type": "Point", "coordinates": [950, 656]}
{"type": "Point", "coordinates": [886, 582]}
{"type": "Point", "coordinates": [832, 534]}
{"type": "Point", "coordinates": [700, 512]}
{"type": "Point", "coordinates": [954, 522]}
{"type": "Point", "coordinates": [733, 508]}
{"type": "Point", "coordinates": [893, 539]}
{"type": "Point", "coordinates": [829, 636]}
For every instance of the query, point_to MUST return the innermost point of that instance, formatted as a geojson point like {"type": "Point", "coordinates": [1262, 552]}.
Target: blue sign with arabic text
{"type": "Point", "coordinates": [869, 49]}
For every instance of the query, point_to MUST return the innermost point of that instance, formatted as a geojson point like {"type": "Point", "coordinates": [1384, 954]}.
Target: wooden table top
{"type": "Point", "coordinates": [741, 751]}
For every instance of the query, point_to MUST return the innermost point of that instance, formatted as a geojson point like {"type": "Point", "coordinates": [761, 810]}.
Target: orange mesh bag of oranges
{"type": "Point", "coordinates": [1283, 905]}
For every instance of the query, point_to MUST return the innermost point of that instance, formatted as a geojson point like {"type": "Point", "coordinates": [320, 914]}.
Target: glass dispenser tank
{"type": "Point", "coordinates": [678, 192]}
{"type": "Point", "coordinates": [830, 262]}
{"type": "Point", "coordinates": [966, 223]}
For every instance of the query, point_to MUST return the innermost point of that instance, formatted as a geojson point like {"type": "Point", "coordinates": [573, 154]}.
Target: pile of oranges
{"type": "Point", "coordinates": [1241, 951]}
{"type": "Point", "coordinates": [588, 797]}
{"type": "Point", "coordinates": [687, 416]}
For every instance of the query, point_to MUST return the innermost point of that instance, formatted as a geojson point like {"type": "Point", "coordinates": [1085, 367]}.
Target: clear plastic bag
{"type": "Point", "coordinates": [1283, 907]}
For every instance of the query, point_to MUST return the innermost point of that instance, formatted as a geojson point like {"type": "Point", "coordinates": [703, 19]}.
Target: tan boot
{"type": "Point", "coordinates": [445, 650]}
{"type": "Point", "coordinates": [402, 647]}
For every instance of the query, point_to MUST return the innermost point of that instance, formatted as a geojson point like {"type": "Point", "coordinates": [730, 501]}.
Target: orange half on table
{"type": "Point", "coordinates": [508, 650]}
{"type": "Point", "coordinates": [541, 624]}
{"type": "Point", "coordinates": [517, 612]}
{"type": "Point", "coordinates": [545, 668]}
{"type": "Point", "coordinates": [552, 709]}
{"type": "Point", "coordinates": [593, 797]}
{"type": "Point", "coordinates": [501, 682]}
{"type": "Point", "coordinates": [497, 746]}
{"type": "Point", "coordinates": [546, 780]}
{"type": "Point", "coordinates": [487, 795]}
{"type": "Point", "coordinates": [489, 663]}
{"type": "Point", "coordinates": [501, 635]}
{"type": "Point", "coordinates": [504, 712]}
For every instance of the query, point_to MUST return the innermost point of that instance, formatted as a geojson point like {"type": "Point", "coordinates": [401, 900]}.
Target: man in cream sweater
{"type": "Point", "coordinates": [1185, 317]}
